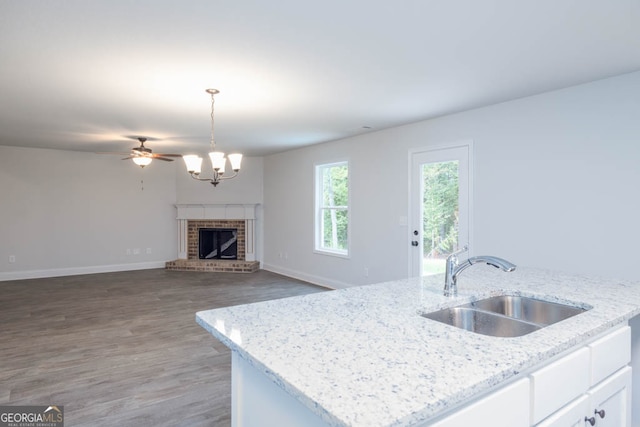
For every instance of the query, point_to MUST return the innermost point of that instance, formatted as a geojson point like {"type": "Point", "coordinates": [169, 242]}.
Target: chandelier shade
{"type": "Point", "coordinates": [193, 163]}
{"type": "Point", "coordinates": [236, 160]}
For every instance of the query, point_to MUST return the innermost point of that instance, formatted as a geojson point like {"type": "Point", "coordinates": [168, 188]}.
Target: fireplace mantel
{"type": "Point", "coordinates": [217, 211]}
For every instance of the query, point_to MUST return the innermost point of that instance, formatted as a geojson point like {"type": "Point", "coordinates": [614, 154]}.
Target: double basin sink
{"type": "Point", "coordinates": [505, 315]}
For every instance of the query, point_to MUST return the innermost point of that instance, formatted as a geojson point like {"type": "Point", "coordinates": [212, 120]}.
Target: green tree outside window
{"type": "Point", "coordinates": [440, 213]}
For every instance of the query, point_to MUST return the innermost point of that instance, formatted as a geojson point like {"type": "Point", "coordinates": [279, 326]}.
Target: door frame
{"type": "Point", "coordinates": [413, 268]}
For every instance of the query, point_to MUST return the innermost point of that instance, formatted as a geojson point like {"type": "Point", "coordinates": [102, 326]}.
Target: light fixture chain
{"type": "Point", "coordinates": [213, 142]}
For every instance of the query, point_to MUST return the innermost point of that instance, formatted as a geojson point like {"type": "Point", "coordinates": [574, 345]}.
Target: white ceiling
{"type": "Point", "coordinates": [86, 75]}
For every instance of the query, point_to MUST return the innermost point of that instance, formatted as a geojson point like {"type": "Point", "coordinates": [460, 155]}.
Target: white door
{"type": "Point", "coordinates": [440, 199]}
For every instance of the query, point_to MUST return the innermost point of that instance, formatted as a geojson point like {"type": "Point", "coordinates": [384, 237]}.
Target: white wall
{"type": "Point", "coordinates": [67, 212]}
{"type": "Point", "coordinates": [555, 186]}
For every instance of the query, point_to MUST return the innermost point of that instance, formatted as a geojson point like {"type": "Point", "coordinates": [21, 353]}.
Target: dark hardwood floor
{"type": "Point", "coordinates": [123, 349]}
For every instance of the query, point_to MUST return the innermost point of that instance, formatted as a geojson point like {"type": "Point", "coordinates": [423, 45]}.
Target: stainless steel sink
{"type": "Point", "coordinates": [505, 315]}
{"type": "Point", "coordinates": [482, 322]}
{"type": "Point", "coordinates": [527, 309]}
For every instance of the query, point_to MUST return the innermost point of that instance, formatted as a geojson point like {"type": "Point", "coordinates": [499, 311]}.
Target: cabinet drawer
{"type": "Point", "coordinates": [610, 353]}
{"type": "Point", "coordinates": [559, 383]}
{"type": "Point", "coordinates": [507, 407]}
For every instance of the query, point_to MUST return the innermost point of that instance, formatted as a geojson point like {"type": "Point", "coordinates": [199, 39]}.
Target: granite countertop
{"type": "Point", "coordinates": [364, 356]}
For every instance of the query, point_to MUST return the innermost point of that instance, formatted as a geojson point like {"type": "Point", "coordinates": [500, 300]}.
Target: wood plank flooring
{"type": "Point", "coordinates": [123, 349]}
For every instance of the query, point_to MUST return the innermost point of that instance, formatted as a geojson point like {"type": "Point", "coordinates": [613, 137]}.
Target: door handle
{"type": "Point", "coordinates": [414, 243]}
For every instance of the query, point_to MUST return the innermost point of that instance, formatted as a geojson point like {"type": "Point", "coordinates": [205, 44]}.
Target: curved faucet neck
{"type": "Point", "coordinates": [454, 268]}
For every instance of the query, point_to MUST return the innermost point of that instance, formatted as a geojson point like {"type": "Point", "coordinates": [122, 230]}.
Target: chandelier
{"type": "Point", "coordinates": [218, 159]}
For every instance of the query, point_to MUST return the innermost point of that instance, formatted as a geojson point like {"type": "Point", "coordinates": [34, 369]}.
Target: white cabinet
{"type": "Point", "coordinates": [571, 415]}
{"type": "Point", "coordinates": [610, 353]}
{"type": "Point", "coordinates": [507, 407]}
{"type": "Point", "coordinates": [611, 401]}
{"type": "Point", "coordinates": [606, 405]}
{"type": "Point", "coordinates": [596, 394]}
{"type": "Point", "coordinates": [559, 383]}
{"type": "Point", "coordinates": [591, 384]}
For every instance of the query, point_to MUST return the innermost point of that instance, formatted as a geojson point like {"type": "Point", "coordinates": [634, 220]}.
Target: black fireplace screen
{"type": "Point", "coordinates": [218, 243]}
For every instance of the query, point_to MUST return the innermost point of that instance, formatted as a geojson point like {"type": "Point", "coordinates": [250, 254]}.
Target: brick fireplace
{"type": "Point", "coordinates": [191, 218]}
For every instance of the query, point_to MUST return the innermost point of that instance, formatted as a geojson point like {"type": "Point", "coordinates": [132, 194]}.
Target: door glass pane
{"type": "Point", "coordinates": [440, 215]}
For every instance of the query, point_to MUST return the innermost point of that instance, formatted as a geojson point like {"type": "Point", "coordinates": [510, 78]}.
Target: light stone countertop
{"type": "Point", "coordinates": [364, 356]}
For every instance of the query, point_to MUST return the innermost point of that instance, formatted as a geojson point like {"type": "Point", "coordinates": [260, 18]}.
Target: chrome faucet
{"type": "Point", "coordinates": [454, 268]}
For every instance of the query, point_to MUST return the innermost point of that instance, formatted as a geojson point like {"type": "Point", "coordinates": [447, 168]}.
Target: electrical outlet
{"type": "Point", "coordinates": [366, 272]}
{"type": "Point", "coordinates": [148, 251]}
{"type": "Point", "coordinates": [136, 251]}
{"type": "Point", "coordinates": [12, 259]}
{"type": "Point", "coordinates": [128, 251]}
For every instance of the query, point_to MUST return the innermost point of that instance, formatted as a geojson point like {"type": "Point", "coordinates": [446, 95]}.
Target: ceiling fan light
{"type": "Point", "coordinates": [236, 160]}
{"type": "Point", "coordinates": [217, 161]}
{"type": "Point", "coordinates": [193, 163]}
{"type": "Point", "coordinates": [142, 161]}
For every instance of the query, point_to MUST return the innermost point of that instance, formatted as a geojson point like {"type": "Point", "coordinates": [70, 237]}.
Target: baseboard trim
{"type": "Point", "coordinates": [74, 271]}
{"type": "Point", "coordinates": [325, 282]}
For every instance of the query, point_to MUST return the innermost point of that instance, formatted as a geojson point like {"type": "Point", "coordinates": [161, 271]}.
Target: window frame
{"type": "Point", "coordinates": [319, 209]}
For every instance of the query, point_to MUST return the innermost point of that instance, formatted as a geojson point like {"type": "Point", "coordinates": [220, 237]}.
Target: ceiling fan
{"type": "Point", "coordinates": [142, 155]}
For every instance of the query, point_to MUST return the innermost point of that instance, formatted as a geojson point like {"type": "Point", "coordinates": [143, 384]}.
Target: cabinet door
{"type": "Point", "coordinates": [571, 415]}
{"type": "Point", "coordinates": [613, 396]}
{"type": "Point", "coordinates": [507, 407]}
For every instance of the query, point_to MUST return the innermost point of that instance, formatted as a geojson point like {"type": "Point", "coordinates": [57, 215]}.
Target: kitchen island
{"type": "Point", "coordinates": [364, 356]}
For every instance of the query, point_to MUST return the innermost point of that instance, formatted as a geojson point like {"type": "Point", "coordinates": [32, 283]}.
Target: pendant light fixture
{"type": "Point", "coordinates": [218, 159]}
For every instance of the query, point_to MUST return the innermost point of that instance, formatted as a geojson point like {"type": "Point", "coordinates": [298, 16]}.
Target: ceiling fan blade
{"type": "Point", "coordinates": [163, 158]}
{"type": "Point", "coordinates": [167, 155]}
{"type": "Point", "coordinates": [130, 157]}
{"type": "Point", "coordinates": [139, 138]}
{"type": "Point", "coordinates": [113, 152]}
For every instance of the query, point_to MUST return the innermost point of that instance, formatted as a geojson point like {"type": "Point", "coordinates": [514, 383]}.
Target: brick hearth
{"type": "Point", "coordinates": [220, 266]}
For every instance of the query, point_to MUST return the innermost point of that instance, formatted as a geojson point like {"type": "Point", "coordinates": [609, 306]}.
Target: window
{"type": "Point", "coordinates": [332, 208]}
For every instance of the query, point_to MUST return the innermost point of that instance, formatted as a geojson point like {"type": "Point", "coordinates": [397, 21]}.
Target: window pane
{"type": "Point", "coordinates": [335, 185]}
{"type": "Point", "coordinates": [440, 214]}
{"type": "Point", "coordinates": [334, 229]}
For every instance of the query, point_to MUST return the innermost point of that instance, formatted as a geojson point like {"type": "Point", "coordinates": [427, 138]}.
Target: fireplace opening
{"type": "Point", "coordinates": [218, 243]}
